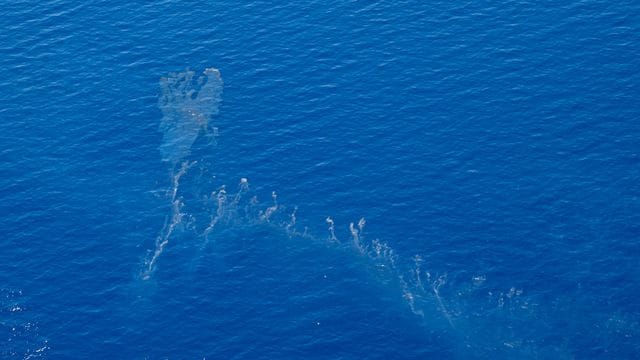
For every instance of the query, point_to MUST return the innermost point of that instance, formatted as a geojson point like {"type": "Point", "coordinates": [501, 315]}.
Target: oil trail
{"type": "Point", "coordinates": [187, 103]}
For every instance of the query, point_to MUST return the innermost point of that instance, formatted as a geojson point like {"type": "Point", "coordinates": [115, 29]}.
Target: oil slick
{"type": "Point", "coordinates": [187, 103]}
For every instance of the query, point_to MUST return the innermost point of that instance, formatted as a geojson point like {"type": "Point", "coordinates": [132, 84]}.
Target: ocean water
{"type": "Point", "coordinates": [320, 180]}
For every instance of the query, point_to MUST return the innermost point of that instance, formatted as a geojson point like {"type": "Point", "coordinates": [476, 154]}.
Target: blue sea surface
{"type": "Point", "coordinates": [320, 179]}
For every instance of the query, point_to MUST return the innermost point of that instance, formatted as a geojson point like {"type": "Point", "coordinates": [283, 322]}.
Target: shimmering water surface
{"type": "Point", "coordinates": [329, 180]}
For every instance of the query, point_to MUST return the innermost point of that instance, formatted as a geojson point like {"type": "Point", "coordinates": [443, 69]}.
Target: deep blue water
{"type": "Point", "coordinates": [493, 149]}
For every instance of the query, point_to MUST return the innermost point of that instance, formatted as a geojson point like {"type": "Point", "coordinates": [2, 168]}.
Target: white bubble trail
{"type": "Point", "coordinates": [221, 200]}
{"type": "Point", "coordinates": [266, 215]}
{"type": "Point", "coordinates": [243, 187]}
{"type": "Point", "coordinates": [409, 297]}
{"type": "Point", "coordinates": [418, 263]}
{"type": "Point", "coordinates": [435, 287]}
{"type": "Point", "coordinates": [175, 183]}
{"type": "Point", "coordinates": [356, 238]}
{"type": "Point", "coordinates": [332, 229]}
{"type": "Point", "coordinates": [163, 238]}
{"type": "Point", "coordinates": [290, 228]}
